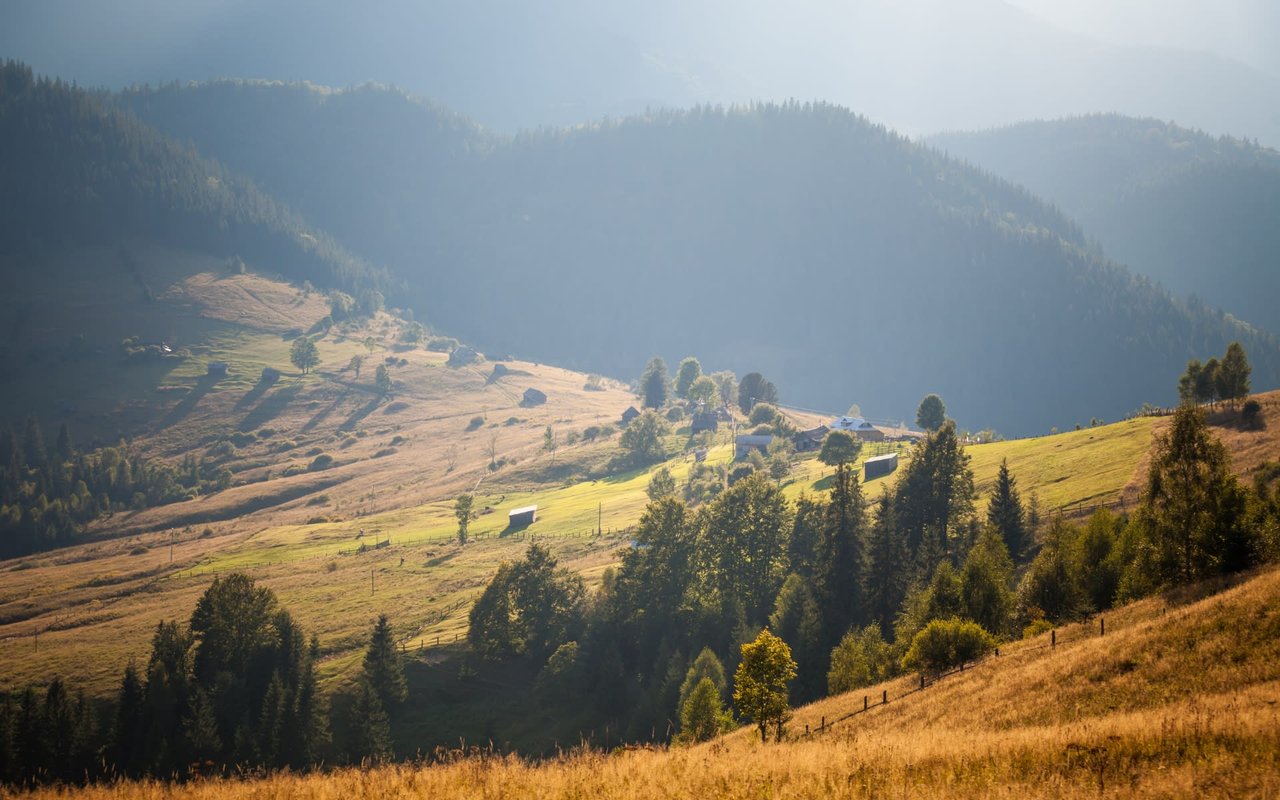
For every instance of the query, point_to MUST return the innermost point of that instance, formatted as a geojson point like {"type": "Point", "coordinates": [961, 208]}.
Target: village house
{"type": "Point", "coordinates": [746, 443]}
{"type": "Point", "coordinates": [810, 440]}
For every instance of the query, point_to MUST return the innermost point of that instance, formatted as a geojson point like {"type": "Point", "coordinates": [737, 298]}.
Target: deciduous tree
{"type": "Point", "coordinates": [760, 683]}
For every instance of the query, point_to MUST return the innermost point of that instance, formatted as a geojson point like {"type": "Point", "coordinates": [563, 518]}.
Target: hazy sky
{"type": "Point", "coordinates": [1244, 30]}
{"type": "Point", "coordinates": [917, 65]}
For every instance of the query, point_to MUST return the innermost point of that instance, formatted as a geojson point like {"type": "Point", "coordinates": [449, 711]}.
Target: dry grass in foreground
{"type": "Point", "coordinates": [1179, 699]}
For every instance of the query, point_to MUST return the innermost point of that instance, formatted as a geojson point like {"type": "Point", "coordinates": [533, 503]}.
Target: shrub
{"type": "Point", "coordinates": [240, 439]}
{"type": "Point", "coordinates": [322, 461]}
{"type": "Point", "coordinates": [1036, 628]}
{"type": "Point", "coordinates": [442, 344]}
{"type": "Point", "coordinates": [1251, 415]}
{"type": "Point", "coordinates": [475, 423]}
{"type": "Point", "coordinates": [763, 414]}
{"type": "Point", "coordinates": [675, 414]}
{"type": "Point", "coordinates": [223, 450]}
{"type": "Point", "coordinates": [947, 643]}
{"type": "Point", "coordinates": [139, 550]}
{"type": "Point", "coordinates": [386, 451]}
{"type": "Point", "coordinates": [266, 433]}
{"type": "Point", "coordinates": [315, 451]}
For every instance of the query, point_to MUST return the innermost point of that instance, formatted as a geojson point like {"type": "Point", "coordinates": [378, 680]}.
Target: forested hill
{"type": "Point", "coordinates": [78, 172]}
{"type": "Point", "coordinates": [1196, 212]}
{"type": "Point", "coordinates": [845, 262]}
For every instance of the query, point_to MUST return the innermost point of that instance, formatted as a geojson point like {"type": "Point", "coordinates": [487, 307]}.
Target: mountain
{"type": "Point", "coordinates": [839, 258]}
{"type": "Point", "coordinates": [918, 65]}
{"type": "Point", "coordinates": [79, 173]}
{"type": "Point", "coordinates": [1195, 212]}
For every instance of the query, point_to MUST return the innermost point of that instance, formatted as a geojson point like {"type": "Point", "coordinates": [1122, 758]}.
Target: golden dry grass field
{"type": "Point", "coordinates": [1180, 698]}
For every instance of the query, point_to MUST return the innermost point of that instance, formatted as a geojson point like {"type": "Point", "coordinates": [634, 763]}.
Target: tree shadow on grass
{"type": "Point", "coordinates": [251, 396]}
{"type": "Point", "coordinates": [270, 407]}
{"type": "Point", "coordinates": [359, 414]}
{"type": "Point", "coordinates": [188, 401]}
{"type": "Point", "coordinates": [325, 412]}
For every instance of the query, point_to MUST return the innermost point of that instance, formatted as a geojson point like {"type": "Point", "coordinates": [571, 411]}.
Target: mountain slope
{"type": "Point", "coordinates": [1196, 213]}
{"type": "Point", "coordinates": [845, 262]}
{"type": "Point", "coordinates": [78, 173]}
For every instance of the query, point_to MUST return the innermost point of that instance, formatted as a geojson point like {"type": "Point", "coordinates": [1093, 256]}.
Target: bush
{"type": "Point", "coordinates": [675, 414]}
{"type": "Point", "coordinates": [240, 439]}
{"type": "Point", "coordinates": [763, 414]}
{"type": "Point", "coordinates": [475, 423]}
{"type": "Point", "coordinates": [442, 344]}
{"type": "Point", "coordinates": [386, 451]}
{"type": "Point", "coordinates": [1251, 415]}
{"type": "Point", "coordinates": [947, 643]}
{"type": "Point", "coordinates": [322, 461]}
{"type": "Point", "coordinates": [1036, 628]}
{"type": "Point", "coordinates": [223, 450]}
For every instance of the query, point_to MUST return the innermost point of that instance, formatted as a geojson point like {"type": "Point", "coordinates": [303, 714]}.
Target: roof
{"type": "Point", "coordinates": [523, 510]}
{"type": "Point", "coordinates": [886, 457]}
{"type": "Point", "coordinates": [844, 423]}
{"type": "Point", "coordinates": [814, 433]}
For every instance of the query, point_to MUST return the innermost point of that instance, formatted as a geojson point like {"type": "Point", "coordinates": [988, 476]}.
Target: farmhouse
{"type": "Point", "coordinates": [878, 466]}
{"type": "Point", "coordinates": [810, 440]}
{"type": "Point", "coordinates": [629, 414]}
{"type": "Point", "coordinates": [533, 397]}
{"type": "Point", "coordinates": [859, 427]}
{"type": "Point", "coordinates": [746, 443]}
{"type": "Point", "coordinates": [522, 517]}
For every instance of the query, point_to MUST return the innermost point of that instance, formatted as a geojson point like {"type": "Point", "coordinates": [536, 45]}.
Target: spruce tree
{"type": "Point", "coordinates": [888, 567]}
{"type": "Point", "coordinates": [130, 724]}
{"type": "Point", "coordinates": [654, 383]}
{"type": "Point", "coordinates": [840, 567]}
{"type": "Point", "coordinates": [1006, 514]}
{"type": "Point", "coordinates": [1233, 374]}
{"type": "Point", "coordinates": [797, 619]}
{"type": "Point", "coordinates": [1193, 510]}
{"type": "Point", "coordinates": [383, 670]}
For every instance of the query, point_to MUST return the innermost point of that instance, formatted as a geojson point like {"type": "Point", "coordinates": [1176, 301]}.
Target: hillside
{"type": "Point", "coordinates": [78, 173]}
{"type": "Point", "coordinates": [1178, 698]}
{"type": "Point", "coordinates": [1192, 211]}
{"type": "Point", "coordinates": [694, 217]}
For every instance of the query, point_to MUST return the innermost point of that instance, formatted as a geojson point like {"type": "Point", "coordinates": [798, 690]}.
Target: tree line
{"type": "Point", "coordinates": [232, 688]}
{"type": "Point", "coordinates": [49, 494]}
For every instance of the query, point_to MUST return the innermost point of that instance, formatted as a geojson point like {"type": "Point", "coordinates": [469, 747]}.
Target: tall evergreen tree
{"type": "Point", "coordinates": [1233, 374]}
{"type": "Point", "coordinates": [840, 566]}
{"type": "Point", "coordinates": [383, 670]}
{"type": "Point", "coordinates": [130, 725]}
{"type": "Point", "coordinates": [1006, 514]}
{"type": "Point", "coordinates": [888, 566]}
{"type": "Point", "coordinates": [797, 620]}
{"type": "Point", "coordinates": [931, 414]}
{"type": "Point", "coordinates": [934, 500]}
{"type": "Point", "coordinates": [1193, 510]}
{"type": "Point", "coordinates": [654, 383]}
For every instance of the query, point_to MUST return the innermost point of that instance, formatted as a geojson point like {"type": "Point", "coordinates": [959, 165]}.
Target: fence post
{"type": "Point", "coordinates": [1053, 638]}
{"type": "Point", "coordinates": [824, 723]}
{"type": "Point", "coordinates": [921, 680]}
{"type": "Point", "coordinates": [864, 702]}
{"type": "Point", "coordinates": [884, 696]}
{"type": "Point", "coordinates": [1102, 626]}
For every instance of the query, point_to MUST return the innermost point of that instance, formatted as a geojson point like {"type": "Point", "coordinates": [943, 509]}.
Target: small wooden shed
{"type": "Point", "coordinates": [879, 466]}
{"type": "Point", "coordinates": [629, 414]}
{"type": "Point", "coordinates": [217, 369]}
{"type": "Point", "coordinates": [522, 517]}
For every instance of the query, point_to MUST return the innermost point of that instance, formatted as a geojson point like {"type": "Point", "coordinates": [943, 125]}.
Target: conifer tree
{"type": "Point", "coordinates": [1193, 510]}
{"type": "Point", "coordinates": [1006, 514]}
{"type": "Point", "coordinates": [840, 567]}
{"type": "Point", "coordinates": [798, 620]}
{"type": "Point", "coordinates": [887, 565]}
{"type": "Point", "coordinates": [130, 724]}
{"type": "Point", "coordinates": [1232, 380]}
{"type": "Point", "coordinates": [383, 670]}
{"type": "Point", "coordinates": [653, 383]}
